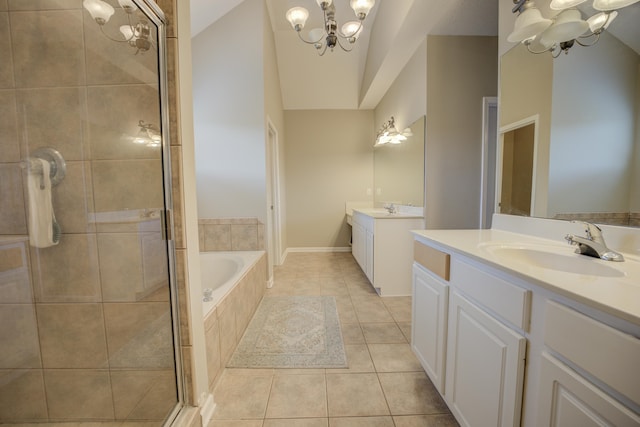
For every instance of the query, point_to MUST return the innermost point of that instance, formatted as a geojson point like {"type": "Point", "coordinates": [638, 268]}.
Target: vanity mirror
{"type": "Point", "coordinates": [580, 115]}
{"type": "Point", "coordinates": [398, 170]}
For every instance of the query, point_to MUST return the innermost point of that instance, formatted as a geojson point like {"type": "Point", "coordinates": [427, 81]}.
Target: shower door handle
{"type": "Point", "coordinates": [166, 224]}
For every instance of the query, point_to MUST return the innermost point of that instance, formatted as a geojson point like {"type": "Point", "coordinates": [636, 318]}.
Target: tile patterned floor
{"type": "Point", "coordinates": [384, 386]}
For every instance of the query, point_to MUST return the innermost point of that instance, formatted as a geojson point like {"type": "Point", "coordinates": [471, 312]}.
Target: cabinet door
{"type": "Point", "coordinates": [429, 323]}
{"type": "Point", "coordinates": [358, 244]}
{"type": "Point", "coordinates": [567, 400]}
{"type": "Point", "coordinates": [369, 255]}
{"type": "Point", "coordinates": [485, 367]}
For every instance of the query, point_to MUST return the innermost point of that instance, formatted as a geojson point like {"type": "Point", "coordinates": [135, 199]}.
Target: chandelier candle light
{"type": "Point", "coordinates": [560, 33]}
{"type": "Point", "coordinates": [330, 36]}
{"type": "Point", "coordinates": [136, 35]}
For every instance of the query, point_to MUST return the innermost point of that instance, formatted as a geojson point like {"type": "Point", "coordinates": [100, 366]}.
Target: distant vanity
{"type": "Point", "coordinates": [382, 245]}
{"type": "Point", "coordinates": [380, 235]}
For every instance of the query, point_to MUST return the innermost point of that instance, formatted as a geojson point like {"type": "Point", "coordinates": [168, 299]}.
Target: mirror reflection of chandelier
{"type": "Point", "coordinates": [329, 37]}
{"type": "Point", "coordinates": [567, 28]}
{"type": "Point", "coordinates": [135, 34]}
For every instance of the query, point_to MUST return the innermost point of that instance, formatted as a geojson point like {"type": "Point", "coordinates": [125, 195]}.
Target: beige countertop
{"type": "Point", "coordinates": [614, 289]}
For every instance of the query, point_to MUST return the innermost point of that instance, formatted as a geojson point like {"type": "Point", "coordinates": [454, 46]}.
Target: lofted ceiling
{"type": "Point", "coordinates": [393, 31]}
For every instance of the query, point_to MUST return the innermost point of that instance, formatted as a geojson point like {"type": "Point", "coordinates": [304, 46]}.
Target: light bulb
{"type": "Point", "coordinates": [362, 7]}
{"type": "Point", "coordinates": [99, 10]}
{"type": "Point", "coordinates": [601, 21]}
{"type": "Point", "coordinates": [128, 5]}
{"type": "Point", "coordinates": [352, 29]}
{"type": "Point", "coordinates": [127, 32]}
{"type": "Point", "coordinates": [297, 17]}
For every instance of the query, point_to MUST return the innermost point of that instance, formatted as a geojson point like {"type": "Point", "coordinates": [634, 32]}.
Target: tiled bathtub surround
{"type": "Point", "coordinates": [231, 234]}
{"type": "Point", "coordinates": [225, 324]}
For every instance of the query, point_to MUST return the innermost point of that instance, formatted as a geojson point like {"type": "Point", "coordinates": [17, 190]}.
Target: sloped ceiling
{"type": "Point", "coordinates": [358, 79]}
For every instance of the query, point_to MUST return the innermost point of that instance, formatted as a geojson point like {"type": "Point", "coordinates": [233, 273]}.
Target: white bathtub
{"type": "Point", "coordinates": [221, 271]}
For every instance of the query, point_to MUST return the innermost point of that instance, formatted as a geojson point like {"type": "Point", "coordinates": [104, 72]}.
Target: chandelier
{"type": "Point", "coordinates": [329, 37]}
{"type": "Point", "coordinates": [135, 34]}
{"type": "Point", "coordinates": [566, 29]}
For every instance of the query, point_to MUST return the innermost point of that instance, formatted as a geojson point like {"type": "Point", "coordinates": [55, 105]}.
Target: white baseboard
{"type": "Point", "coordinates": [318, 250]}
{"type": "Point", "coordinates": [207, 409]}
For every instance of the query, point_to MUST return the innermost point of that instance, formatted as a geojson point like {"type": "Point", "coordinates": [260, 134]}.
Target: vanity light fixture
{"type": "Point", "coordinates": [135, 34]}
{"type": "Point", "coordinates": [388, 134]}
{"type": "Point", "coordinates": [567, 28]}
{"type": "Point", "coordinates": [329, 37]}
{"type": "Point", "coordinates": [148, 135]}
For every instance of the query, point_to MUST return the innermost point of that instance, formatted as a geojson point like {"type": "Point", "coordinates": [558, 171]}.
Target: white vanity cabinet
{"type": "Point", "coordinates": [474, 357]}
{"type": "Point", "coordinates": [382, 245]}
{"type": "Point", "coordinates": [592, 352]}
{"type": "Point", "coordinates": [502, 326]}
{"type": "Point", "coordinates": [430, 304]}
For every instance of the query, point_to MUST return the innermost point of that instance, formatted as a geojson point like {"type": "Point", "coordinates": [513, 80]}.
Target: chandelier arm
{"type": "Point", "coordinates": [589, 44]}
{"type": "Point", "coordinates": [122, 40]}
{"type": "Point", "coordinates": [342, 47]}
{"type": "Point", "coordinates": [528, 45]}
{"type": "Point", "coordinates": [111, 38]}
{"type": "Point", "coordinates": [308, 42]}
{"type": "Point", "coordinates": [323, 51]}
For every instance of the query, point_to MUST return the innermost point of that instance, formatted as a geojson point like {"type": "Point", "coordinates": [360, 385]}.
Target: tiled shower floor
{"type": "Point", "coordinates": [384, 386]}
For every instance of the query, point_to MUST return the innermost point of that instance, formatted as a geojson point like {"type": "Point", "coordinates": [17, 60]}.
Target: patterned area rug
{"type": "Point", "coordinates": [292, 332]}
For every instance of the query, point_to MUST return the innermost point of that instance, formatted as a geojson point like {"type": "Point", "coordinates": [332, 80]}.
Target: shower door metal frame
{"type": "Point", "coordinates": [157, 17]}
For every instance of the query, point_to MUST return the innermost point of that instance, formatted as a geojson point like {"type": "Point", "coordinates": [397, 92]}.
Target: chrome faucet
{"type": "Point", "coordinates": [593, 244]}
{"type": "Point", "coordinates": [391, 208]}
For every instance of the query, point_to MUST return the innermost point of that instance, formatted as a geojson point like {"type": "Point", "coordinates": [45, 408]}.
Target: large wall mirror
{"type": "Point", "coordinates": [398, 170]}
{"type": "Point", "coordinates": [579, 115]}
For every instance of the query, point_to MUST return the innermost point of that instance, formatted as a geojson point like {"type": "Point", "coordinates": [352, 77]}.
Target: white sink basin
{"type": "Point", "coordinates": [550, 257]}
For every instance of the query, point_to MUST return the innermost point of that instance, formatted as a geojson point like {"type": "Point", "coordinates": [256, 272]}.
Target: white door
{"type": "Point", "coordinates": [429, 323]}
{"type": "Point", "coordinates": [485, 367]}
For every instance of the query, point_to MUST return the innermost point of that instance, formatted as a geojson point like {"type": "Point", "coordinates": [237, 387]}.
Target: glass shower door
{"type": "Point", "coordinates": [86, 289]}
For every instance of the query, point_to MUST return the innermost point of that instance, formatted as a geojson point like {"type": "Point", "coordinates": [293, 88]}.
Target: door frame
{"type": "Point", "coordinates": [531, 120]}
{"type": "Point", "coordinates": [274, 220]}
{"type": "Point", "coordinates": [488, 102]}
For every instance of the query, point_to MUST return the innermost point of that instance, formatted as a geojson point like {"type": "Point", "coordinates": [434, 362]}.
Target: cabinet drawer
{"type": "Point", "coordinates": [608, 354]}
{"type": "Point", "coordinates": [432, 259]}
{"type": "Point", "coordinates": [509, 301]}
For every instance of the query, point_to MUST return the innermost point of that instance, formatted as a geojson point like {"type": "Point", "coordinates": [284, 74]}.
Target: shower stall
{"type": "Point", "coordinates": [87, 296]}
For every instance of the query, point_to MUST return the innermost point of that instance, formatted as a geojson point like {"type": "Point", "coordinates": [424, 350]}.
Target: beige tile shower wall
{"type": "Point", "coordinates": [225, 325]}
{"type": "Point", "coordinates": [86, 106]}
{"type": "Point", "coordinates": [231, 234]}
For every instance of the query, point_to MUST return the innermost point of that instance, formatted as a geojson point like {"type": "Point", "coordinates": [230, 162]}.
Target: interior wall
{"type": "Point", "coordinates": [461, 70]}
{"type": "Point", "coordinates": [274, 110]}
{"type": "Point", "coordinates": [329, 161]}
{"type": "Point", "coordinates": [229, 123]}
{"type": "Point", "coordinates": [520, 101]}
{"type": "Point", "coordinates": [593, 122]}
{"type": "Point", "coordinates": [406, 99]}
{"type": "Point", "coordinates": [635, 183]}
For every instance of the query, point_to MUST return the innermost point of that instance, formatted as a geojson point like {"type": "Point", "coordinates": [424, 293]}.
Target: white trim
{"type": "Point", "coordinates": [318, 249]}
{"type": "Point", "coordinates": [535, 120]}
{"type": "Point", "coordinates": [273, 169]}
{"type": "Point", "coordinates": [207, 409]}
{"type": "Point", "coordinates": [487, 103]}
{"type": "Point", "coordinates": [270, 283]}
